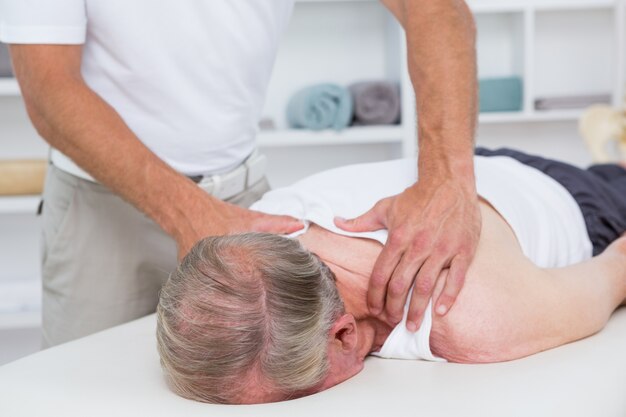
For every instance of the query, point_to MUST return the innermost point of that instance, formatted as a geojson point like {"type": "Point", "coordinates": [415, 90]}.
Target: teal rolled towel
{"type": "Point", "coordinates": [321, 106]}
{"type": "Point", "coordinates": [500, 94]}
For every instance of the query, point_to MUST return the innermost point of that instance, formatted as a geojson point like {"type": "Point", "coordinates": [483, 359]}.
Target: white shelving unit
{"type": "Point", "coordinates": [514, 39]}
{"type": "Point", "coordinates": [21, 320]}
{"type": "Point", "coordinates": [555, 46]}
{"type": "Point", "coordinates": [352, 135]}
{"type": "Point", "coordinates": [531, 14]}
{"type": "Point", "coordinates": [9, 87]}
{"type": "Point", "coordinates": [19, 204]}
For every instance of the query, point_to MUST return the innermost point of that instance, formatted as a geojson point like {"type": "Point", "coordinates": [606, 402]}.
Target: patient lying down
{"type": "Point", "coordinates": [257, 318]}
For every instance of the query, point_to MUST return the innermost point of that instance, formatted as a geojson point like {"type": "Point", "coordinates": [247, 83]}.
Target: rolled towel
{"type": "Point", "coordinates": [320, 107]}
{"type": "Point", "coordinates": [22, 177]}
{"type": "Point", "coordinates": [501, 94]}
{"type": "Point", "coordinates": [5, 61]}
{"type": "Point", "coordinates": [376, 102]}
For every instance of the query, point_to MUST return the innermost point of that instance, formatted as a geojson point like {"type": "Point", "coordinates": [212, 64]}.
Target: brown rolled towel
{"type": "Point", "coordinates": [376, 102]}
{"type": "Point", "coordinates": [22, 177]}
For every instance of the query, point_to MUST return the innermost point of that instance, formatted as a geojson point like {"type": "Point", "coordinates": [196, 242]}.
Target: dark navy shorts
{"type": "Point", "coordinates": [599, 190]}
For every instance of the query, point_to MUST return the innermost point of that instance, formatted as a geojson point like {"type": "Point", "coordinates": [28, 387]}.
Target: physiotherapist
{"type": "Point", "coordinates": [151, 110]}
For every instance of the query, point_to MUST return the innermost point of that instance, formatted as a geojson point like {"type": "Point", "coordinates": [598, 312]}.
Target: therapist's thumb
{"type": "Point", "coordinates": [366, 222]}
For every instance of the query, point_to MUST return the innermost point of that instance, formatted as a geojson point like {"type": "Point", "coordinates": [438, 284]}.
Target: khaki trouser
{"type": "Point", "coordinates": [103, 261]}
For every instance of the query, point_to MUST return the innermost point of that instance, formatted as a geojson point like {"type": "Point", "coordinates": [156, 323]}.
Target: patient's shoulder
{"type": "Point", "coordinates": [458, 341]}
{"type": "Point", "coordinates": [483, 325]}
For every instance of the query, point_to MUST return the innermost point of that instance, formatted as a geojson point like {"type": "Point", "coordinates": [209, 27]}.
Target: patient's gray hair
{"type": "Point", "coordinates": [250, 307]}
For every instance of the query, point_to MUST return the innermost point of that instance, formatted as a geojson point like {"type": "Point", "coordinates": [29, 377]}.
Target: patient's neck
{"type": "Point", "coordinates": [372, 334]}
{"type": "Point", "coordinates": [351, 260]}
{"type": "Point", "coordinates": [352, 286]}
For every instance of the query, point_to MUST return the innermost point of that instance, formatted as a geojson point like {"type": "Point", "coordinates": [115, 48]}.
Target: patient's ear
{"type": "Point", "coordinates": [343, 356]}
{"type": "Point", "coordinates": [344, 334]}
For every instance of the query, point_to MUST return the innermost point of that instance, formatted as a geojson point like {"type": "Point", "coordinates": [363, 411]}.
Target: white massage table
{"type": "Point", "coordinates": [117, 373]}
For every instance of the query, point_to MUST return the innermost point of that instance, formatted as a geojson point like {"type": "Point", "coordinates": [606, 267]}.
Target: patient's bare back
{"type": "Point", "coordinates": [473, 313]}
{"type": "Point", "coordinates": [509, 308]}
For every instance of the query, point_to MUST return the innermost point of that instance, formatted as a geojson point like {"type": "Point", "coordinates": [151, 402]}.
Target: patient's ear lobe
{"type": "Point", "coordinates": [344, 333]}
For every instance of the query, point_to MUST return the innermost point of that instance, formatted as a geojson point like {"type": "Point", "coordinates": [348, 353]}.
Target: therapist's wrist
{"type": "Point", "coordinates": [203, 216]}
{"type": "Point", "coordinates": [186, 211]}
{"type": "Point", "coordinates": [439, 167]}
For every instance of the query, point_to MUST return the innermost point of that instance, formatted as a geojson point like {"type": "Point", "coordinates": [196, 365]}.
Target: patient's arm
{"type": "Point", "coordinates": [509, 308]}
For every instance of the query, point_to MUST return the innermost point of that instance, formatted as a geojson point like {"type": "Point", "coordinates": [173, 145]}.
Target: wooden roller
{"type": "Point", "coordinates": [22, 177]}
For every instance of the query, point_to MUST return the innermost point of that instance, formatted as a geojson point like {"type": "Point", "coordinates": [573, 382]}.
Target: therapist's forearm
{"type": "Point", "coordinates": [442, 66]}
{"type": "Point", "coordinates": [74, 119]}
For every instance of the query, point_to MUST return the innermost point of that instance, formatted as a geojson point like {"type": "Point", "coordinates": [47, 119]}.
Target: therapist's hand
{"type": "Point", "coordinates": [230, 219]}
{"type": "Point", "coordinates": [433, 225]}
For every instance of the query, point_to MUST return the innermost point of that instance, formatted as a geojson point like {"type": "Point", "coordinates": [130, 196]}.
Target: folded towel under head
{"type": "Point", "coordinates": [320, 107]}
{"type": "Point", "coordinates": [376, 102]}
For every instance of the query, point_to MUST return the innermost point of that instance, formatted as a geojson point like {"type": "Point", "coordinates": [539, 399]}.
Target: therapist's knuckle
{"type": "Point", "coordinates": [397, 237]}
{"type": "Point", "coordinates": [443, 249]}
{"type": "Point", "coordinates": [420, 243]}
{"type": "Point", "coordinates": [462, 245]}
{"type": "Point", "coordinates": [423, 287]}
{"type": "Point", "coordinates": [458, 279]}
{"type": "Point", "coordinates": [397, 288]}
{"type": "Point", "coordinates": [378, 280]}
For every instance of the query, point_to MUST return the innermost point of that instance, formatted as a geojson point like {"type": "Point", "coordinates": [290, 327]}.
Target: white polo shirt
{"type": "Point", "coordinates": [188, 77]}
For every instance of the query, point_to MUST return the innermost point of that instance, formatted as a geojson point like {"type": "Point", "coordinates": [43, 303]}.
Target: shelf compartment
{"type": "Point", "coordinates": [500, 45]}
{"type": "Point", "coordinates": [530, 117]}
{"type": "Point", "coordinates": [350, 136]}
{"type": "Point", "coordinates": [582, 65]}
{"type": "Point", "coordinates": [498, 6]}
{"type": "Point", "coordinates": [331, 43]}
{"type": "Point", "coordinates": [567, 5]}
{"type": "Point", "coordinates": [500, 50]}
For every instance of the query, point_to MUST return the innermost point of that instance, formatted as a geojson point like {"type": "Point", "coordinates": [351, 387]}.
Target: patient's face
{"type": "Point", "coordinates": [344, 360]}
{"type": "Point", "coordinates": [257, 394]}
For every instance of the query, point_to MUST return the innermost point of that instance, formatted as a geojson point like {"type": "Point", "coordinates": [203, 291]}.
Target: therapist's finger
{"type": "Point", "coordinates": [422, 291]}
{"type": "Point", "coordinates": [373, 219]}
{"type": "Point", "coordinates": [381, 273]}
{"type": "Point", "coordinates": [400, 284]}
{"type": "Point", "coordinates": [454, 284]}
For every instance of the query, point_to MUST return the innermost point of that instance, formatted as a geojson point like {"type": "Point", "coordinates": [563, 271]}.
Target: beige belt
{"type": "Point", "coordinates": [223, 186]}
{"type": "Point", "coordinates": [64, 163]}
{"type": "Point", "coordinates": [229, 184]}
